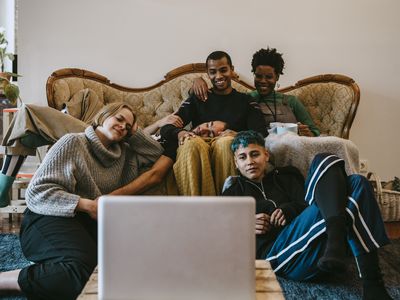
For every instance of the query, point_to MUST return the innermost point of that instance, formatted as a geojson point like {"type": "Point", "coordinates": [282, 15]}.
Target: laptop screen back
{"type": "Point", "coordinates": [165, 247]}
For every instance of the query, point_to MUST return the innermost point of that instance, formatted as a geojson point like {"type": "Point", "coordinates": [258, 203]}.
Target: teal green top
{"type": "Point", "coordinates": [295, 104]}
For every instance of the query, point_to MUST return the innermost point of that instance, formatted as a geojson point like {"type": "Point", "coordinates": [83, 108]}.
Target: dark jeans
{"type": "Point", "coordinates": [64, 251]}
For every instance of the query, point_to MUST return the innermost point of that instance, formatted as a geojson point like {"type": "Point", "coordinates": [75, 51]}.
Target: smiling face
{"type": "Point", "coordinates": [220, 73]}
{"type": "Point", "coordinates": [116, 127]}
{"type": "Point", "coordinates": [265, 79]}
{"type": "Point", "coordinates": [210, 129]}
{"type": "Point", "coordinates": [252, 161]}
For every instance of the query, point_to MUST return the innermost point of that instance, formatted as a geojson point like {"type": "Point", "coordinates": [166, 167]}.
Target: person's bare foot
{"type": "Point", "coordinates": [9, 282]}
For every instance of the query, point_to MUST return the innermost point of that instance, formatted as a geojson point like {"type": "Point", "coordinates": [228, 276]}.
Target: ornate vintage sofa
{"type": "Point", "coordinates": [331, 99]}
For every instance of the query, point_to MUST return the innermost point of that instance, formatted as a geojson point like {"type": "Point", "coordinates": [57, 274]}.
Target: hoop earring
{"type": "Point", "coordinates": [277, 85]}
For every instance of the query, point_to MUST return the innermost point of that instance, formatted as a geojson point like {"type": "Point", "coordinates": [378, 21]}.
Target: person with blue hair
{"type": "Point", "coordinates": [306, 230]}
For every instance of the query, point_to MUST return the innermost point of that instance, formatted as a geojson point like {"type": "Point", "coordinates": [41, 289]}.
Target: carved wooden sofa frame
{"type": "Point", "coordinates": [331, 99]}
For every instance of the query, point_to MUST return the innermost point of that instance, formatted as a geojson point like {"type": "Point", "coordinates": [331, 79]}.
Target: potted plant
{"type": "Point", "coordinates": [10, 90]}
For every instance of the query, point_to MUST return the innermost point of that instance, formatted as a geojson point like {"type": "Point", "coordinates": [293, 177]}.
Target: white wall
{"type": "Point", "coordinates": [7, 20]}
{"type": "Point", "coordinates": [134, 43]}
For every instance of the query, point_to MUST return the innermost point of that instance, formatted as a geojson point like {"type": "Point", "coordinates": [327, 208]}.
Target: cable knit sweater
{"type": "Point", "coordinates": [79, 165]}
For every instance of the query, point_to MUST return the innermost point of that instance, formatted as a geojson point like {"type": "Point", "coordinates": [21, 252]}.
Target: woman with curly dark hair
{"type": "Point", "coordinates": [267, 66]}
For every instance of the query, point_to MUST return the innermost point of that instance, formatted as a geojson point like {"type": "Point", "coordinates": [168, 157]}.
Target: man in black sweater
{"type": "Point", "coordinates": [203, 164]}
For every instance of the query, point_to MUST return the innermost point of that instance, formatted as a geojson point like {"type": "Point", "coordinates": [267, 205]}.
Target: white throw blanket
{"type": "Point", "coordinates": [299, 151]}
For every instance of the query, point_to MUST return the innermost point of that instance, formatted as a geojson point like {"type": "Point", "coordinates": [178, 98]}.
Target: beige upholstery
{"type": "Point", "coordinates": [332, 100]}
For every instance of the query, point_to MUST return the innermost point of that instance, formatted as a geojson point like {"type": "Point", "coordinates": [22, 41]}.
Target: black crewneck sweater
{"type": "Point", "coordinates": [236, 109]}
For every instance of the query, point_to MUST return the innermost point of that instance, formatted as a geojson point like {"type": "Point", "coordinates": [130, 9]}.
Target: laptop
{"type": "Point", "coordinates": [171, 247]}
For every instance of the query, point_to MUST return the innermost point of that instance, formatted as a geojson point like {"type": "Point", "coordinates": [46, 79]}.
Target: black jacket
{"type": "Point", "coordinates": [284, 189]}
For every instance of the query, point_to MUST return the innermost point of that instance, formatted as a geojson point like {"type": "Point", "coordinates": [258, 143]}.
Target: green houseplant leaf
{"type": "Point", "coordinates": [11, 91]}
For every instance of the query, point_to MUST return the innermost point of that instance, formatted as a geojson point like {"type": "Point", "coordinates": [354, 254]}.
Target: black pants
{"type": "Point", "coordinates": [64, 251]}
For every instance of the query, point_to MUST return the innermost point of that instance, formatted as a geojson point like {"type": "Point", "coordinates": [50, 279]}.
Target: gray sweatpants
{"type": "Point", "coordinates": [46, 122]}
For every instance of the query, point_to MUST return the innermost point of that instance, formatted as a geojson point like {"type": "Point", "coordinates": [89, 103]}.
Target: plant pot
{"type": "Point", "coordinates": [5, 75]}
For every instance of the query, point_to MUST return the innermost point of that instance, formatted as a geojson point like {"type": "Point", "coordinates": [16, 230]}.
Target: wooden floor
{"type": "Point", "coordinates": [10, 226]}
{"type": "Point", "coordinates": [393, 229]}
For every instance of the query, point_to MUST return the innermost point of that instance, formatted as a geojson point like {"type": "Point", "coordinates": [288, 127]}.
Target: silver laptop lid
{"type": "Point", "coordinates": [176, 247]}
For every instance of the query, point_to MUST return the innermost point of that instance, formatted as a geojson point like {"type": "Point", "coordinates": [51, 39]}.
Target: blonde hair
{"type": "Point", "coordinates": [111, 110]}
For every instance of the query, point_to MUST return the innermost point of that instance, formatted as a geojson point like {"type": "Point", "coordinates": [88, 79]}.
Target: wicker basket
{"type": "Point", "coordinates": [388, 200]}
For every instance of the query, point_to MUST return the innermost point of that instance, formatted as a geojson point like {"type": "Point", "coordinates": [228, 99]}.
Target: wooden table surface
{"type": "Point", "coordinates": [267, 286]}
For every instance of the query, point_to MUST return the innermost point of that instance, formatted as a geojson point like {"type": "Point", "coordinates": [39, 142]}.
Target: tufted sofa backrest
{"type": "Point", "coordinates": [332, 100]}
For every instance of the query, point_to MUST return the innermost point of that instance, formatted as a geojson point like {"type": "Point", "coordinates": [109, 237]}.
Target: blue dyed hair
{"type": "Point", "coordinates": [245, 138]}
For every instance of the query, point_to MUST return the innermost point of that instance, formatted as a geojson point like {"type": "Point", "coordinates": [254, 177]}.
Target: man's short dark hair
{"type": "Point", "coordinates": [218, 55]}
{"type": "Point", "coordinates": [245, 138]}
{"type": "Point", "coordinates": [268, 57]}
